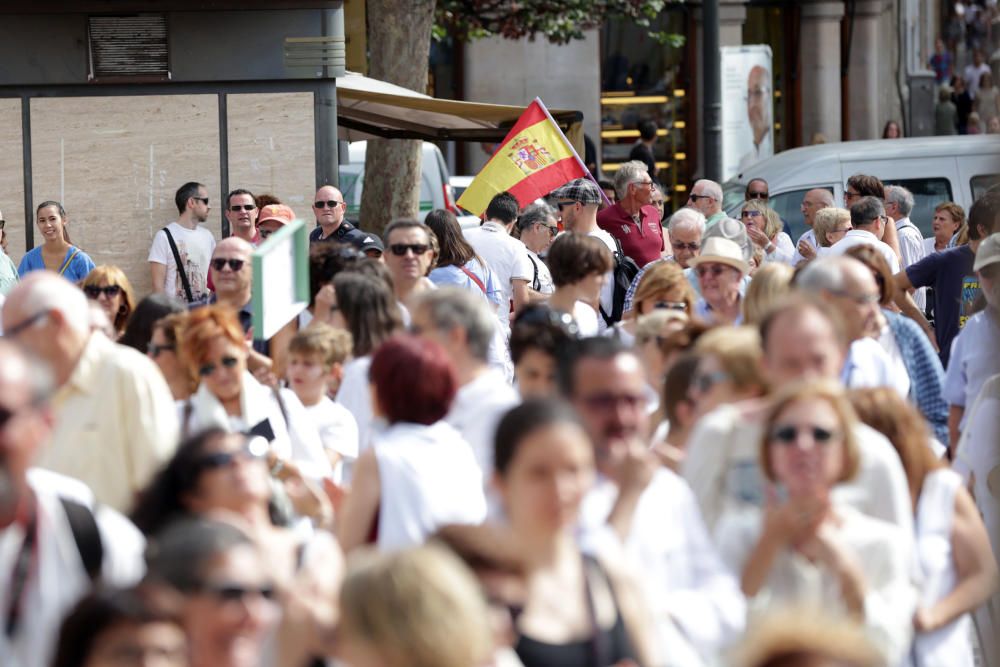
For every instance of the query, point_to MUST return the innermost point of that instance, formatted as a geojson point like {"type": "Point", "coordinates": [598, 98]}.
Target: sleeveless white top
{"type": "Point", "coordinates": [949, 646]}
{"type": "Point", "coordinates": [429, 478]}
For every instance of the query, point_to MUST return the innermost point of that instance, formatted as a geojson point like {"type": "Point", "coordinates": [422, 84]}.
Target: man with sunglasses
{"type": "Point", "coordinates": [115, 420]}
{"type": "Point", "coordinates": [178, 258]}
{"type": "Point", "coordinates": [55, 541]}
{"type": "Point", "coordinates": [869, 223]}
{"type": "Point", "coordinates": [633, 220]}
{"type": "Point", "coordinates": [706, 198]}
{"type": "Point", "coordinates": [241, 213]}
{"type": "Point", "coordinates": [330, 208]}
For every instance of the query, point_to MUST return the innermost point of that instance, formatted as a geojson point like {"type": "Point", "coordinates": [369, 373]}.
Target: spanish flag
{"type": "Point", "coordinates": [534, 159]}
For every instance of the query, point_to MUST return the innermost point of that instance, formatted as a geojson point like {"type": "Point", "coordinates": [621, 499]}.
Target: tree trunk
{"type": "Point", "coordinates": [399, 40]}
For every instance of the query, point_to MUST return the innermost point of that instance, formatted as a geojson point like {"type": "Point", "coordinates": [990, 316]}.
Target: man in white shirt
{"type": "Point", "coordinates": [813, 201]}
{"type": "Point", "coordinates": [869, 222]}
{"type": "Point", "coordinates": [53, 542]}
{"type": "Point", "coordinates": [537, 226]}
{"type": "Point", "coordinates": [847, 286]}
{"type": "Point", "coordinates": [698, 607]}
{"type": "Point", "coordinates": [898, 205]}
{"type": "Point", "coordinates": [463, 324]}
{"type": "Point", "coordinates": [578, 202]}
{"type": "Point", "coordinates": [504, 254]}
{"type": "Point", "coordinates": [188, 280]}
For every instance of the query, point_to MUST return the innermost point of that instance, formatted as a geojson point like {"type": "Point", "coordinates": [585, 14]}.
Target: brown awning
{"type": "Point", "coordinates": [369, 108]}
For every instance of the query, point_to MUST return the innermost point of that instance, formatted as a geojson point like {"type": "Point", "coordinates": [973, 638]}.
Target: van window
{"type": "Point", "coordinates": [788, 205]}
{"type": "Point", "coordinates": [980, 184]}
{"type": "Point", "coordinates": [927, 194]}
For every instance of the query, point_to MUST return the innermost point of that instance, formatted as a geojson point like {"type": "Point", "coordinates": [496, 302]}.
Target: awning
{"type": "Point", "coordinates": [369, 108]}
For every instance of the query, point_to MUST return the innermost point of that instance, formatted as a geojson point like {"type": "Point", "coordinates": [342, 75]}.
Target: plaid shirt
{"type": "Point", "coordinates": [926, 372]}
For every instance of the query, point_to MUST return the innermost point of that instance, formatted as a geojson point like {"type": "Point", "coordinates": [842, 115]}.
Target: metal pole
{"type": "Point", "coordinates": [29, 214]}
{"type": "Point", "coordinates": [712, 90]}
{"type": "Point", "coordinates": [224, 161]}
{"type": "Point", "coordinates": [325, 106]}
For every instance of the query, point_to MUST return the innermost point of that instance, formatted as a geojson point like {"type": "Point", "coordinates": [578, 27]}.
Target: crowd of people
{"type": "Point", "coordinates": [582, 433]}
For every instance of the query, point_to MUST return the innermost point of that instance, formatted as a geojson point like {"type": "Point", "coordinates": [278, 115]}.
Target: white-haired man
{"type": "Point", "coordinates": [633, 220]}
{"type": "Point", "coordinates": [685, 230]}
{"type": "Point", "coordinates": [706, 197]}
{"type": "Point", "coordinates": [115, 420]}
{"type": "Point", "coordinates": [898, 205]}
{"type": "Point", "coordinates": [814, 201]}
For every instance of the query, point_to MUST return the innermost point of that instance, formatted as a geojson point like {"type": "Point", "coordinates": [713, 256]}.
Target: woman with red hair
{"type": "Point", "coordinates": [419, 474]}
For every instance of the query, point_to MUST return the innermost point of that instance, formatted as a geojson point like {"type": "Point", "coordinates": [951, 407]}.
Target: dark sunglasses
{"type": "Point", "coordinates": [697, 197]}
{"type": "Point", "coordinates": [154, 350]}
{"type": "Point", "coordinates": [208, 369]}
{"type": "Point", "coordinates": [264, 233]}
{"type": "Point", "coordinates": [788, 434]}
{"type": "Point", "coordinates": [110, 291]}
{"type": "Point", "coordinates": [751, 214]}
{"type": "Point", "coordinates": [757, 195]}
{"type": "Point", "coordinates": [553, 229]}
{"type": "Point", "coordinates": [203, 200]}
{"type": "Point", "coordinates": [670, 305]}
{"type": "Point", "coordinates": [235, 264]}
{"type": "Point", "coordinates": [716, 270]}
{"type": "Point", "coordinates": [400, 249]}
{"type": "Point", "coordinates": [229, 592]}
{"type": "Point", "coordinates": [685, 246]}
{"type": "Point", "coordinates": [330, 203]}
{"type": "Point", "coordinates": [236, 208]}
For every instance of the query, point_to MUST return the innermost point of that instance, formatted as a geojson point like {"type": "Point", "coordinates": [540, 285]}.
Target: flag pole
{"type": "Point", "coordinates": [572, 149]}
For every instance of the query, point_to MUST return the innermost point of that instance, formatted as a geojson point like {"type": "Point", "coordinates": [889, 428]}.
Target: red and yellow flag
{"type": "Point", "coordinates": [534, 159]}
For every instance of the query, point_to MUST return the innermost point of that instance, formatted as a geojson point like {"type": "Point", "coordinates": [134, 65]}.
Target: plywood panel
{"type": "Point", "coordinates": [115, 163]}
{"type": "Point", "coordinates": [271, 147]}
{"type": "Point", "coordinates": [11, 177]}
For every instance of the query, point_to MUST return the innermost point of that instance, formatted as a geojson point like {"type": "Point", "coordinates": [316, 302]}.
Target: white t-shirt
{"type": "Point", "coordinates": [608, 291]}
{"type": "Point", "coordinates": [507, 256]}
{"type": "Point", "coordinates": [338, 431]}
{"type": "Point", "coordinates": [476, 411]}
{"type": "Point", "coordinates": [355, 396]}
{"type": "Point", "coordinates": [588, 321]}
{"type": "Point", "coordinates": [195, 247]}
{"type": "Point", "coordinates": [869, 365]}
{"type": "Point", "coordinates": [863, 236]}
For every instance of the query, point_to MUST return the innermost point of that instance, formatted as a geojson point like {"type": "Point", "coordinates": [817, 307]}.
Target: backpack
{"type": "Point", "coordinates": [624, 272]}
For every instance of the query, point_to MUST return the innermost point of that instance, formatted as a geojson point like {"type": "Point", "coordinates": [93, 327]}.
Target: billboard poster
{"type": "Point", "coordinates": [747, 107]}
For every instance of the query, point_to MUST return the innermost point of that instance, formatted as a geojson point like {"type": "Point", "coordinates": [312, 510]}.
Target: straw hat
{"type": "Point", "coordinates": [722, 251]}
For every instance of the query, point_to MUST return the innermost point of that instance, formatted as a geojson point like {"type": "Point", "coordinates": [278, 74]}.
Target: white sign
{"type": "Point", "coordinates": [280, 279]}
{"type": "Point", "coordinates": [747, 107]}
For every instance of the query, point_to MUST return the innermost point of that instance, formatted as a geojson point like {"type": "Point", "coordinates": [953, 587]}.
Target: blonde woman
{"type": "Point", "coordinates": [770, 283]}
{"type": "Point", "coordinates": [664, 287]}
{"type": "Point", "coordinates": [111, 289]}
{"type": "Point", "coordinates": [764, 227]}
{"type": "Point", "coordinates": [829, 226]}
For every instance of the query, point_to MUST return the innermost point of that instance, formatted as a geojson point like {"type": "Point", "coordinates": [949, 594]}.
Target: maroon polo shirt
{"type": "Point", "coordinates": [642, 242]}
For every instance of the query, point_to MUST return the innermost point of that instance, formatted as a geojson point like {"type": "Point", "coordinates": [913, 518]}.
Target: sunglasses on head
{"type": "Point", "coordinates": [330, 203]}
{"type": "Point", "coordinates": [236, 208]}
{"type": "Point", "coordinates": [788, 434]}
{"type": "Point", "coordinates": [400, 249]}
{"type": "Point", "coordinates": [220, 262]}
{"type": "Point", "coordinates": [208, 369]}
{"type": "Point", "coordinates": [110, 291]}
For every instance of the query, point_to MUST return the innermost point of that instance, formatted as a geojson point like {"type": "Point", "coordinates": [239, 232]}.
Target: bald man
{"type": "Point", "coordinates": [329, 207]}
{"type": "Point", "coordinates": [815, 200]}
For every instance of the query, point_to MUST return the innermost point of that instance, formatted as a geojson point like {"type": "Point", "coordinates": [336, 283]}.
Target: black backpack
{"type": "Point", "coordinates": [624, 272]}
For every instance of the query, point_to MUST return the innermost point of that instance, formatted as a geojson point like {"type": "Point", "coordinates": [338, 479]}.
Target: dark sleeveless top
{"type": "Point", "coordinates": [606, 646]}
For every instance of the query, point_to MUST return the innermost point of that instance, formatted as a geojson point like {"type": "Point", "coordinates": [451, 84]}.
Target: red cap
{"type": "Point", "coordinates": [279, 212]}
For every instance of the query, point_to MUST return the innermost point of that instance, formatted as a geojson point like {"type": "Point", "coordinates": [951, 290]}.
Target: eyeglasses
{"type": "Point", "coordinates": [236, 208]}
{"type": "Point", "coordinates": [860, 299]}
{"type": "Point", "coordinates": [693, 247]}
{"type": "Point", "coordinates": [605, 402]}
{"type": "Point", "coordinates": [230, 592]}
{"type": "Point", "coordinates": [670, 305]}
{"type": "Point", "coordinates": [715, 270]}
{"type": "Point", "coordinates": [203, 200]}
{"type": "Point", "coordinates": [110, 291]}
{"type": "Point", "coordinates": [208, 369]}
{"type": "Point", "coordinates": [553, 229]}
{"type": "Point", "coordinates": [789, 434]}
{"type": "Point", "coordinates": [21, 327]}
{"type": "Point", "coordinates": [645, 184]}
{"type": "Point", "coordinates": [400, 249]}
{"type": "Point", "coordinates": [839, 231]}
{"type": "Point", "coordinates": [695, 198]}
{"type": "Point", "coordinates": [704, 382]}
{"type": "Point", "coordinates": [220, 262]}
{"type": "Point", "coordinates": [330, 203]}
{"type": "Point", "coordinates": [757, 195]}
{"type": "Point", "coordinates": [851, 195]}
{"type": "Point", "coordinates": [751, 214]}
{"type": "Point", "coordinates": [154, 350]}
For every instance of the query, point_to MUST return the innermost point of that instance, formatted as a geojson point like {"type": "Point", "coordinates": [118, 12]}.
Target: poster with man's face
{"type": "Point", "coordinates": [747, 104]}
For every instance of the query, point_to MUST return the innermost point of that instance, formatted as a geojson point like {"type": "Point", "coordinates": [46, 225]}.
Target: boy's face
{"type": "Point", "coordinates": [306, 373]}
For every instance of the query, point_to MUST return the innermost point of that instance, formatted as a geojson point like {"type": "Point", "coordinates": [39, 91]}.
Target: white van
{"type": "Point", "coordinates": [934, 169]}
{"type": "Point", "coordinates": [435, 189]}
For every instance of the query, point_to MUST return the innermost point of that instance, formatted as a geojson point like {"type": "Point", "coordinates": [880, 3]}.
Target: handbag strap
{"type": "Point", "coordinates": [181, 273]}
{"type": "Point", "coordinates": [66, 262]}
{"type": "Point", "coordinates": [475, 278]}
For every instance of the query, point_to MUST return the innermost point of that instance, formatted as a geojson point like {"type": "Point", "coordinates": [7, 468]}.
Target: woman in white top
{"type": "Point", "coordinates": [953, 556]}
{"type": "Point", "coordinates": [764, 227]}
{"type": "Point", "coordinates": [579, 265]}
{"type": "Point", "coordinates": [419, 473]}
{"type": "Point", "coordinates": [948, 222]}
{"type": "Point", "coordinates": [213, 349]}
{"type": "Point", "coordinates": [804, 549]}
{"type": "Point", "coordinates": [363, 305]}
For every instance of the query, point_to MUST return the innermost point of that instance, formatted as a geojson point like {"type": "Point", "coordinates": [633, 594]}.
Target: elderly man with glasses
{"type": "Point", "coordinates": [706, 198]}
{"type": "Point", "coordinates": [869, 223]}
{"type": "Point", "coordinates": [329, 207]}
{"type": "Point", "coordinates": [634, 221]}
{"type": "Point", "coordinates": [685, 231]}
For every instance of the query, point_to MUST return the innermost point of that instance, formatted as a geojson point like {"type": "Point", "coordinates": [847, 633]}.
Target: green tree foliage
{"type": "Point", "coordinates": [559, 21]}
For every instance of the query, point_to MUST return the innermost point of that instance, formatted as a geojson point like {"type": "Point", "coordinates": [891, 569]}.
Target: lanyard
{"type": "Point", "coordinates": [20, 573]}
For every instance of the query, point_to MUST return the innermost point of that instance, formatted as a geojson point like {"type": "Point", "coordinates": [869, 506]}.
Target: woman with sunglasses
{"type": "Point", "coordinates": [213, 349]}
{"type": "Point", "coordinates": [56, 253]}
{"type": "Point", "coordinates": [954, 559]}
{"type": "Point", "coordinates": [764, 227]}
{"type": "Point", "coordinates": [804, 549]}
{"type": "Point", "coordinates": [662, 287]}
{"type": "Point", "coordinates": [222, 475]}
{"type": "Point", "coordinates": [720, 268]}
{"type": "Point", "coordinates": [110, 288]}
